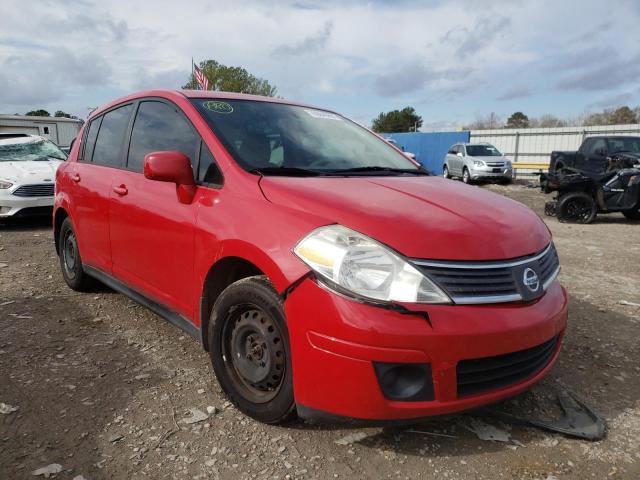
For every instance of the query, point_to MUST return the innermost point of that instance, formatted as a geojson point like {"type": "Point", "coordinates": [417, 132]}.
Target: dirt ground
{"type": "Point", "coordinates": [102, 385]}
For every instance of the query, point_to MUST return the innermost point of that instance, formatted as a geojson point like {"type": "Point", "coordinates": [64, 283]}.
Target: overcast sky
{"type": "Point", "coordinates": [451, 60]}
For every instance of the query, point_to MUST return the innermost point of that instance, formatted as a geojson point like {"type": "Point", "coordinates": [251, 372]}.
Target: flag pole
{"type": "Point", "coordinates": [192, 75]}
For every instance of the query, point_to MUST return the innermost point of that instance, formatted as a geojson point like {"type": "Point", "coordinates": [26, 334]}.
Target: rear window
{"type": "Point", "coordinates": [90, 143]}
{"type": "Point", "coordinates": [108, 149]}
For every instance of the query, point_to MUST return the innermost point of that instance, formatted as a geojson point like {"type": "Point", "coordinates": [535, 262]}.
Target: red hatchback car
{"type": "Point", "coordinates": [325, 273]}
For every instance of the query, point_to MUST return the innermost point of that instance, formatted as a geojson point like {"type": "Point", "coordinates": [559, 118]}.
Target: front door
{"type": "Point", "coordinates": [152, 233]}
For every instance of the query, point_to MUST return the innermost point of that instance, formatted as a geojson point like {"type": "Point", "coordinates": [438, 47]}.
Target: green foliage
{"type": "Point", "coordinates": [231, 79]}
{"type": "Point", "coordinates": [62, 114]}
{"type": "Point", "coordinates": [518, 120]}
{"type": "Point", "coordinates": [38, 113]}
{"type": "Point", "coordinates": [405, 120]}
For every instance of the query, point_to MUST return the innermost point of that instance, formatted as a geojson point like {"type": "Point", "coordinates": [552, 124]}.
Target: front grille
{"type": "Point", "coordinates": [495, 164]}
{"type": "Point", "coordinates": [38, 190]}
{"type": "Point", "coordinates": [490, 373]}
{"type": "Point", "coordinates": [492, 282]}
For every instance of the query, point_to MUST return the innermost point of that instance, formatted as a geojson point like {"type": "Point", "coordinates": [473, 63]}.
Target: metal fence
{"type": "Point", "coordinates": [534, 145]}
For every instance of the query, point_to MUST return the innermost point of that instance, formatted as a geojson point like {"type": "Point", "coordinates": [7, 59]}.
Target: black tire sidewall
{"type": "Point", "coordinates": [445, 172]}
{"type": "Point", "coordinates": [467, 176]}
{"type": "Point", "coordinates": [255, 291]}
{"type": "Point", "coordinates": [80, 281]}
{"type": "Point", "coordinates": [566, 199]}
{"type": "Point", "coordinates": [633, 214]}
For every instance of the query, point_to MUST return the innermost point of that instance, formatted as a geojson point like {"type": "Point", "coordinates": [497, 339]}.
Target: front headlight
{"type": "Point", "coordinates": [365, 268]}
{"type": "Point", "coordinates": [478, 163]}
{"type": "Point", "coordinates": [4, 184]}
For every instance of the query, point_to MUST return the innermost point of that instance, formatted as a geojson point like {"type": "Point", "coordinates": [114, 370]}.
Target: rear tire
{"type": "Point", "coordinates": [445, 172]}
{"type": "Point", "coordinates": [250, 352]}
{"type": "Point", "coordinates": [71, 261]}
{"type": "Point", "coordinates": [466, 177]}
{"type": "Point", "coordinates": [633, 214]}
{"type": "Point", "coordinates": [576, 207]}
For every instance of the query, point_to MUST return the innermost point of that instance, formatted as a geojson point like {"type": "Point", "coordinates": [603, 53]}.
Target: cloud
{"type": "Point", "coordinates": [308, 45]}
{"type": "Point", "coordinates": [603, 74]}
{"type": "Point", "coordinates": [471, 40]}
{"type": "Point", "coordinates": [50, 75]}
{"type": "Point", "coordinates": [517, 91]}
{"type": "Point", "coordinates": [415, 76]}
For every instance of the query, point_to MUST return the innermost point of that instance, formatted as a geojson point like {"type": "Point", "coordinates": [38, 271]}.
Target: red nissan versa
{"type": "Point", "coordinates": [325, 272]}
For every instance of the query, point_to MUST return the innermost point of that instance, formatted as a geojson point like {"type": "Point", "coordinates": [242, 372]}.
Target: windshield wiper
{"type": "Point", "coordinates": [285, 172]}
{"type": "Point", "coordinates": [375, 169]}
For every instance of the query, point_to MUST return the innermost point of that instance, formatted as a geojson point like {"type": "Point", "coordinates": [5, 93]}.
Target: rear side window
{"type": "Point", "coordinates": [160, 127]}
{"type": "Point", "coordinates": [90, 143]}
{"type": "Point", "coordinates": [108, 149]}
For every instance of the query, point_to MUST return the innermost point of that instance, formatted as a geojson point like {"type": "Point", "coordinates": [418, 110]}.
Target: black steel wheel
{"type": "Point", "coordinates": [249, 348]}
{"type": "Point", "coordinates": [576, 207]}
{"type": "Point", "coordinates": [70, 259]}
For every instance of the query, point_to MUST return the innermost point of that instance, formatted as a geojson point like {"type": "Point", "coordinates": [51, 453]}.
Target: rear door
{"type": "Point", "coordinates": [90, 184]}
{"type": "Point", "coordinates": [152, 233]}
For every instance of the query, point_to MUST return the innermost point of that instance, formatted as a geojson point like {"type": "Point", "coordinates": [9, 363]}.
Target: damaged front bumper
{"type": "Point", "coordinates": [362, 362]}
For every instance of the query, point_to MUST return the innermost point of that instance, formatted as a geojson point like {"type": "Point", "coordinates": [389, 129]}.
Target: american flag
{"type": "Point", "coordinates": [200, 78]}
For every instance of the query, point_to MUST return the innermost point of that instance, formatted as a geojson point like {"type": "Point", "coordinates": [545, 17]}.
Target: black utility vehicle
{"type": "Point", "coordinates": [582, 194]}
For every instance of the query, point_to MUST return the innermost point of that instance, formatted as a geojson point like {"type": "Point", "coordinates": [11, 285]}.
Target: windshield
{"type": "Point", "coordinates": [623, 144]}
{"type": "Point", "coordinates": [35, 150]}
{"type": "Point", "coordinates": [277, 139]}
{"type": "Point", "coordinates": [483, 151]}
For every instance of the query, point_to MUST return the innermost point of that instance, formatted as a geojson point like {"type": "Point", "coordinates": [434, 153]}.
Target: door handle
{"type": "Point", "coordinates": [76, 177]}
{"type": "Point", "coordinates": [121, 190]}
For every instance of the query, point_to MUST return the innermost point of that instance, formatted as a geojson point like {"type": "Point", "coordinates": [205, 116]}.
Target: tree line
{"type": "Point", "coordinates": [610, 116]}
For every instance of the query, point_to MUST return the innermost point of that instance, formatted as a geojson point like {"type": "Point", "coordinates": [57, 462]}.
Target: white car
{"type": "Point", "coordinates": [477, 161]}
{"type": "Point", "coordinates": [28, 165]}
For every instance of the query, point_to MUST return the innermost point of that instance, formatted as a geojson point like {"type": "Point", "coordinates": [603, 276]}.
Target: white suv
{"type": "Point", "coordinates": [28, 165]}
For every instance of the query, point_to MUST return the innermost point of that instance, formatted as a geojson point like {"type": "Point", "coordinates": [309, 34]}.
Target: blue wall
{"type": "Point", "coordinates": [429, 148]}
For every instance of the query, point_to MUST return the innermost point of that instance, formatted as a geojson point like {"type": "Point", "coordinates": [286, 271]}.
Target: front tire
{"type": "Point", "coordinates": [576, 207]}
{"type": "Point", "coordinates": [445, 172]}
{"type": "Point", "coordinates": [250, 352]}
{"type": "Point", "coordinates": [466, 177]}
{"type": "Point", "coordinates": [70, 259]}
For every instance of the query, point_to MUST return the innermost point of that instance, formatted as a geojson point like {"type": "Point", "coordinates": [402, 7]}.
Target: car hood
{"type": "Point", "coordinates": [29, 171]}
{"type": "Point", "coordinates": [421, 217]}
{"type": "Point", "coordinates": [489, 158]}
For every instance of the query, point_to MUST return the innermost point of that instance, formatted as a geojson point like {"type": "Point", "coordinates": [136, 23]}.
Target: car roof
{"type": "Point", "coordinates": [7, 138]}
{"type": "Point", "coordinates": [613, 136]}
{"type": "Point", "coordinates": [192, 94]}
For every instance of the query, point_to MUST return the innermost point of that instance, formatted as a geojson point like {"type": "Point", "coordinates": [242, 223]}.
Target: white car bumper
{"type": "Point", "coordinates": [11, 204]}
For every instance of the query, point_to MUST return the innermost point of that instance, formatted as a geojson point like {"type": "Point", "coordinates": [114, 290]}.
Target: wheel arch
{"type": "Point", "coordinates": [58, 218]}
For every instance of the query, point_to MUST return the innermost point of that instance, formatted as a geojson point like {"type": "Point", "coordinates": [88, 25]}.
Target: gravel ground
{"type": "Point", "coordinates": [106, 389]}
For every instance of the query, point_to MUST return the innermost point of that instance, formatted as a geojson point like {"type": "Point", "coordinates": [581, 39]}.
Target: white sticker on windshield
{"type": "Point", "coordinates": [324, 115]}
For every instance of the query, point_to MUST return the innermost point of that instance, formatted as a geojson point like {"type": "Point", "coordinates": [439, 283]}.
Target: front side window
{"type": "Point", "coordinates": [597, 146]}
{"type": "Point", "coordinates": [108, 148]}
{"type": "Point", "coordinates": [208, 171]}
{"type": "Point", "coordinates": [483, 151]}
{"type": "Point", "coordinates": [30, 148]}
{"type": "Point", "coordinates": [159, 127]}
{"type": "Point", "coordinates": [275, 138]}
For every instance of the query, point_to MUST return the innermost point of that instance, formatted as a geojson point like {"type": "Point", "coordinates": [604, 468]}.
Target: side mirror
{"type": "Point", "coordinates": [172, 167]}
{"type": "Point", "coordinates": [460, 154]}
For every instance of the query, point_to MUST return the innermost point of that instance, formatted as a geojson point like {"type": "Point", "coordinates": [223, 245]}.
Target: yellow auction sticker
{"type": "Point", "coordinates": [218, 106]}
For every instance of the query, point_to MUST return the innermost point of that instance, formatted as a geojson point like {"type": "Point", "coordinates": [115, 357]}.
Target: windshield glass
{"type": "Point", "coordinates": [483, 151]}
{"type": "Point", "coordinates": [623, 144]}
{"type": "Point", "coordinates": [32, 150]}
{"type": "Point", "coordinates": [275, 138]}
